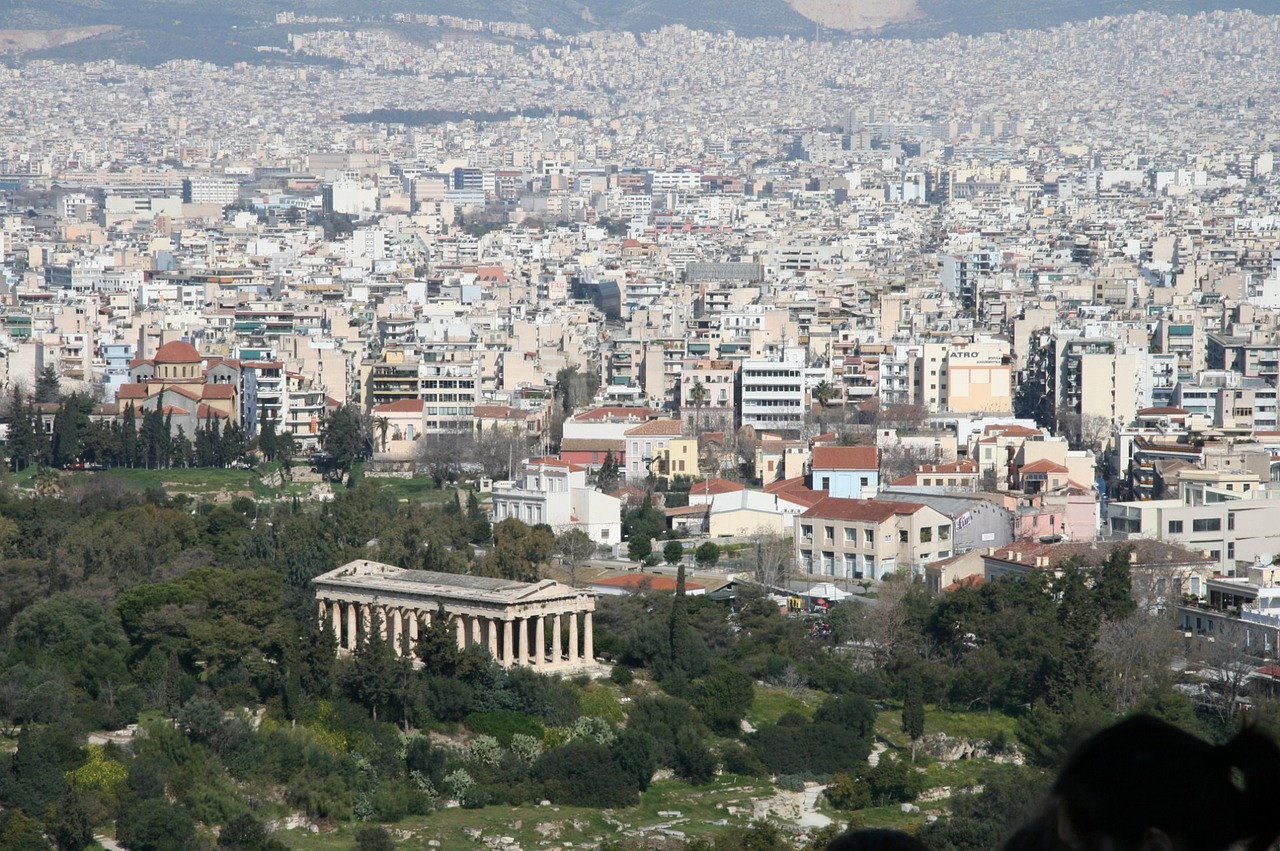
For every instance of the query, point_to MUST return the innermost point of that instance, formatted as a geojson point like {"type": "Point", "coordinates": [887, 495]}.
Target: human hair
{"type": "Point", "coordinates": [1143, 774]}
{"type": "Point", "coordinates": [875, 839]}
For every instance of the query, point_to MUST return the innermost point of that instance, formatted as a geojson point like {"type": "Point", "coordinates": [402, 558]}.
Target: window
{"type": "Point", "coordinates": [902, 537]}
{"type": "Point", "coordinates": [926, 534]}
{"type": "Point", "coordinates": [865, 481]}
{"type": "Point", "coordinates": [1207, 524]}
{"type": "Point", "coordinates": [1231, 549]}
{"type": "Point", "coordinates": [1231, 520]}
{"type": "Point", "coordinates": [850, 535]}
{"type": "Point", "coordinates": [830, 533]}
{"type": "Point", "coordinates": [869, 536]}
{"type": "Point", "coordinates": [1175, 527]}
{"type": "Point", "coordinates": [826, 483]}
{"type": "Point", "coordinates": [944, 533]}
{"type": "Point", "coordinates": [806, 532]}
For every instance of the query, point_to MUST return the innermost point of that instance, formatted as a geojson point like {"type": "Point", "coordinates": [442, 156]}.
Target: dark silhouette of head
{"type": "Point", "coordinates": [1145, 784]}
{"type": "Point", "coordinates": [875, 840]}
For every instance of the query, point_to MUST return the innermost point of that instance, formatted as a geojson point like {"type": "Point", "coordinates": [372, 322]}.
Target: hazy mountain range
{"type": "Point", "coordinates": [152, 31]}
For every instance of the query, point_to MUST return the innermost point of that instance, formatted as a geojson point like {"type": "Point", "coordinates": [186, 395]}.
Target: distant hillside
{"type": "Point", "coordinates": [978, 16]}
{"type": "Point", "coordinates": [152, 31]}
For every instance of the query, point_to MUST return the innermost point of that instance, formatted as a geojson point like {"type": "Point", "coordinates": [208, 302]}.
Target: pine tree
{"type": "Point", "coordinates": [607, 477]}
{"type": "Point", "coordinates": [1113, 587]}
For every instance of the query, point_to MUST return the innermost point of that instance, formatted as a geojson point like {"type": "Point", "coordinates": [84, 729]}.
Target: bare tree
{"type": "Point", "coordinates": [902, 459]}
{"type": "Point", "coordinates": [773, 557]}
{"type": "Point", "coordinates": [574, 546]}
{"type": "Point", "coordinates": [499, 451]}
{"type": "Point", "coordinates": [790, 680]}
{"type": "Point", "coordinates": [886, 626]}
{"type": "Point", "coordinates": [1136, 656]}
{"type": "Point", "coordinates": [443, 455]}
{"type": "Point", "coordinates": [1083, 431]}
{"type": "Point", "coordinates": [1221, 663]}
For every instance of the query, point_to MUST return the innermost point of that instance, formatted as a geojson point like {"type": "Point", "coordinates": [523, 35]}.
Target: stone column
{"type": "Point", "coordinates": [476, 634]}
{"type": "Point", "coordinates": [588, 642]}
{"type": "Point", "coordinates": [366, 621]}
{"type": "Point", "coordinates": [506, 643]}
{"type": "Point", "coordinates": [324, 610]}
{"type": "Point", "coordinates": [351, 625]}
{"type": "Point", "coordinates": [491, 637]}
{"type": "Point", "coordinates": [395, 629]}
{"type": "Point", "coordinates": [573, 638]}
{"type": "Point", "coordinates": [462, 631]}
{"type": "Point", "coordinates": [335, 620]}
{"type": "Point", "coordinates": [385, 626]}
{"type": "Point", "coordinates": [539, 640]}
{"type": "Point", "coordinates": [555, 639]}
{"type": "Point", "coordinates": [413, 632]}
{"type": "Point", "coordinates": [522, 641]}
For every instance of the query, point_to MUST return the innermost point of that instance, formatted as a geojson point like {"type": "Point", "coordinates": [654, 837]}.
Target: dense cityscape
{"type": "Point", "coordinates": [456, 433]}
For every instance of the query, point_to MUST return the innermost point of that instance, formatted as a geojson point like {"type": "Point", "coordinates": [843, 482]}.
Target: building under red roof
{"type": "Point", "coordinates": [846, 458]}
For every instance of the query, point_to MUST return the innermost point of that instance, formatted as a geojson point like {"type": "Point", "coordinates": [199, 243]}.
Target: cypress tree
{"type": "Point", "coordinates": [913, 711]}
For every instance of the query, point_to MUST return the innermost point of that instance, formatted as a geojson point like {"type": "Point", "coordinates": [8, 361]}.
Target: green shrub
{"type": "Point", "coordinates": [583, 773]}
{"type": "Point", "coordinates": [503, 725]}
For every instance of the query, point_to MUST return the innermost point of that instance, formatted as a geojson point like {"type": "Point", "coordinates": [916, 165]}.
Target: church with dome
{"type": "Point", "coordinates": [189, 388]}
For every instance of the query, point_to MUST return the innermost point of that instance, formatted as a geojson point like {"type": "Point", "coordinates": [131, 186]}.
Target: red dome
{"type": "Point", "coordinates": [177, 352]}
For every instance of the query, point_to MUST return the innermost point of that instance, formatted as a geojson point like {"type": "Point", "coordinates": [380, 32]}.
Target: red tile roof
{"type": "Point", "coordinates": [867, 510]}
{"type": "Point", "coordinates": [657, 428]}
{"type": "Point", "coordinates": [177, 351]}
{"type": "Point", "coordinates": [846, 458]}
{"type": "Point", "coordinates": [400, 406]}
{"type": "Point", "coordinates": [499, 412]}
{"type": "Point", "coordinates": [715, 486]}
{"type": "Point", "coordinates": [1044, 465]}
{"type": "Point", "coordinates": [218, 391]}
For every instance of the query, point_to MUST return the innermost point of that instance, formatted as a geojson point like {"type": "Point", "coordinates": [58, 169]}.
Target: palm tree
{"type": "Point", "coordinates": [823, 394]}
{"type": "Point", "coordinates": [698, 395]}
{"type": "Point", "coordinates": [383, 425]}
{"type": "Point", "coordinates": [47, 482]}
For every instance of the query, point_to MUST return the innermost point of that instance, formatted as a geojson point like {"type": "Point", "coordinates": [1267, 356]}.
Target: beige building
{"type": "Point", "coordinates": [678, 458]}
{"type": "Point", "coordinates": [1111, 386]}
{"type": "Point", "coordinates": [979, 382]}
{"type": "Point", "coordinates": [546, 626]}
{"type": "Point", "coordinates": [869, 539]}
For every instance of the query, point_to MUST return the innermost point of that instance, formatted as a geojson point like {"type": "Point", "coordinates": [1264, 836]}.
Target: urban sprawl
{"type": "Point", "coordinates": [956, 308]}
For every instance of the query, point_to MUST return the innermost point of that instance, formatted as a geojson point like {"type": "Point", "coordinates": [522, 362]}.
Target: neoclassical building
{"type": "Point", "coordinates": [545, 625]}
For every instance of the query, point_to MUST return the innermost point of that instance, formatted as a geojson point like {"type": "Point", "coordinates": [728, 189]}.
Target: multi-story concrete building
{"type": "Point", "coordinates": [555, 492]}
{"type": "Point", "coordinates": [869, 539]}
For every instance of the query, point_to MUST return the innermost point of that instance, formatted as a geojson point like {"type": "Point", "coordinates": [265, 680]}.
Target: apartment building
{"type": "Point", "coordinates": [870, 539]}
{"type": "Point", "coordinates": [555, 492]}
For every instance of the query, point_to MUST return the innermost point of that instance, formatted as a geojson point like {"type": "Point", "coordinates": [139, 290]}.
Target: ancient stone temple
{"type": "Point", "coordinates": [544, 625]}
